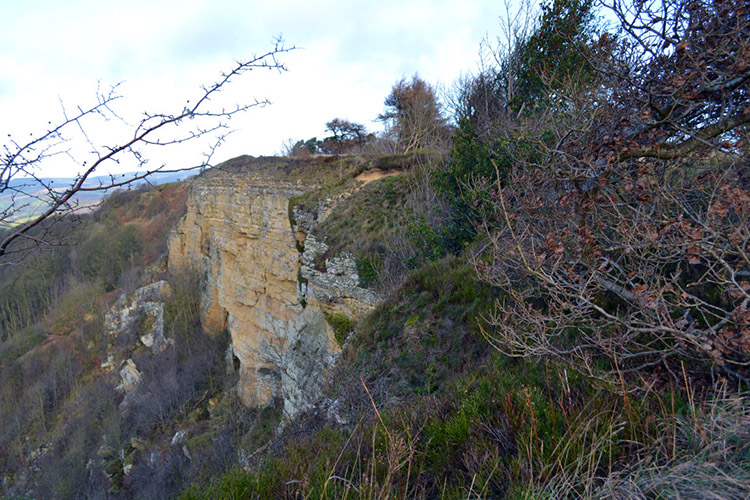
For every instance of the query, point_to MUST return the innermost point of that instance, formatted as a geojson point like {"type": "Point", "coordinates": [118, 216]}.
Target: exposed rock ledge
{"type": "Point", "coordinates": [258, 286]}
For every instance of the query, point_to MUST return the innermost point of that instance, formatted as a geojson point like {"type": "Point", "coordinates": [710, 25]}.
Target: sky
{"type": "Point", "coordinates": [348, 56]}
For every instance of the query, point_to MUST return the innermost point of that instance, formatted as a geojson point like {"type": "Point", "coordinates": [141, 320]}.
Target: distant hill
{"type": "Point", "coordinates": [29, 195]}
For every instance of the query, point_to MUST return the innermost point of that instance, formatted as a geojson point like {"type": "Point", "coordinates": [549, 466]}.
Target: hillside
{"type": "Point", "coordinates": [546, 296]}
{"type": "Point", "coordinates": [414, 400]}
{"type": "Point", "coordinates": [55, 396]}
{"type": "Point", "coordinates": [29, 196]}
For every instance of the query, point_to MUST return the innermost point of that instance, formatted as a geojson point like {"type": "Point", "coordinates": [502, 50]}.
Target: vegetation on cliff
{"type": "Point", "coordinates": [66, 432]}
{"type": "Point", "coordinates": [565, 292]}
{"type": "Point", "coordinates": [597, 185]}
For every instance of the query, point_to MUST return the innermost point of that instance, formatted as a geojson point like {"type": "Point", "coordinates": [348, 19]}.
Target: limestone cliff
{"type": "Point", "coordinates": [237, 231]}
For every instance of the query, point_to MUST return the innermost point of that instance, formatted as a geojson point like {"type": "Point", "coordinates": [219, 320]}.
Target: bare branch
{"type": "Point", "coordinates": [155, 130]}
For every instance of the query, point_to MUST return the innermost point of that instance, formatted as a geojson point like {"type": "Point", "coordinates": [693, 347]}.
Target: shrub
{"type": "Point", "coordinates": [341, 324]}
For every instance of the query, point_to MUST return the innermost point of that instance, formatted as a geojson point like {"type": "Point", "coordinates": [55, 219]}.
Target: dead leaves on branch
{"type": "Point", "coordinates": [651, 268]}
{"type": "Point", "coordinates": [622, 228]}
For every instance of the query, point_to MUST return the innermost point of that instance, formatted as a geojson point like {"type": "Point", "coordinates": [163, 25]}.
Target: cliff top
{"type": "Point", "coordinates": [311, 171]}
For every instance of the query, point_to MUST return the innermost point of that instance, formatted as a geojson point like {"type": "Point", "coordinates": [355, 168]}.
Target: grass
{"type": "Point", "coordinates": [313, 171]}
{"type": "Point", "coordinates": [371, 215]}
{"type": "Point", "coordinates": [362, 219]}
{"type": "Point", "coordinates": [434, 413]}
{"type": "Point", "coordinates": [405, 161]}
{"type": "Point", "coordinates": [705, 454]}
{"type": "Point", "coordinates": [427, 330]}
{"type": "Point", "coordinates": [509, 430]}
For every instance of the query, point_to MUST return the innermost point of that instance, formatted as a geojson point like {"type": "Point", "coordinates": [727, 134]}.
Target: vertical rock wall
{"type": "Point", "coordinates": [237, 233]}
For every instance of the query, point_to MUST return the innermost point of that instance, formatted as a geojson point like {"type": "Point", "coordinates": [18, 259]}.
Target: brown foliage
{"type": "Point", "coordinates": [679, 79]}
{"type": "Point", "coordinates": [640, 270]}
{"type": "Point", "coordinates": [621, 230]}
{"type": "Point", "coordinates": [413, 115]}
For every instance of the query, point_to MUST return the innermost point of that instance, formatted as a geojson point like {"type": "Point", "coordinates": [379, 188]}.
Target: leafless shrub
{"type": "Point", "coordinates": [200, 119]}
{"type": "Point", "coordinates": [620, 231]}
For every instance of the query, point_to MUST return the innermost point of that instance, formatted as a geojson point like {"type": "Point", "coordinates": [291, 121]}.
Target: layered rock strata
{"type": "Point", "coordinates": [237, 232]}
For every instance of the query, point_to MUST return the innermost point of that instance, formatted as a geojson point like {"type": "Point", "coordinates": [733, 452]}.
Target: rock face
{"type": "Point", "coordinates": [130, 376]}
{"type": "Point", "coordinates": [237, 233]}
{"type": "Point", "coordinates": [139, 313]}
{"type": "Point", "coordinates": [144, 309]}
{"type": "Point", "coordinates": [339, 285]}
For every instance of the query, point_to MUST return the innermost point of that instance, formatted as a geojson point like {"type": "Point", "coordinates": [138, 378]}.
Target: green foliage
{"type": "Point", "coordinates": [526, 83]}
{"type": "Point", "coordinates": [293, 202]}
{"type": "Point", "coordinates": [432, 411]}
{"type": "Point", "coordinates": [434, 242]}
{"type": "Point", "coordinates": [472, 159]}
{"type": "Point", "coordinates": [556, 54]}
{"type": "Point", "coordinates": [370, 221]}
{"type": "Point", "coordinates": [475, 164]}
{"type": "Point", "coordinates": [341, 324]}
{"type": "Point", "coordinates": [303, 148]}
{"type": "Point", "coordinates": [52, 386]}
{"type": "Point", "coordinates": [367, 269]}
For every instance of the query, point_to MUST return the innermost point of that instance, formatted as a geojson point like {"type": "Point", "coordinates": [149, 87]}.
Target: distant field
{"type": "Point", "coordinates": [29, 196]}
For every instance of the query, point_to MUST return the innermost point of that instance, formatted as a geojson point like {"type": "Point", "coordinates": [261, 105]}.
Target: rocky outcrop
{"type": "Point", "coordinates": [337, 288]}
{"type": "Point", "coordinates": [137, 319]}
{"type": "Point", "coordinates": [144, 310]}
{"type": "Point", "coordinates": [130, 376]}
{"type": "Point", "coordinates": [237, 232]}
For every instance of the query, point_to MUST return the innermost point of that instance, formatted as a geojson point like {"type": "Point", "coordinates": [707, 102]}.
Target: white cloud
{"type": "Point", "coordinates": [352, 52]}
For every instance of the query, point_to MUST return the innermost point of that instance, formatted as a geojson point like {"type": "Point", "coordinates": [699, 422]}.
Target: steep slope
{"type": "Point", "coordinates": [238, 232]}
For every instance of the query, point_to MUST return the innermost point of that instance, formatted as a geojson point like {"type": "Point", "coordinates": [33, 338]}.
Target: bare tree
{"type": "Point", "coordinates": [483, 98]}
{"type": "Point", "coordinates": [199, 118]}
{"type": "Point", "coordinates": [516, 26]}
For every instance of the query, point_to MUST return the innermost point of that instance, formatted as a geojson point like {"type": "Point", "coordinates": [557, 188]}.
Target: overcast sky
{"type": "Point", "coordinates": [350, 54]}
